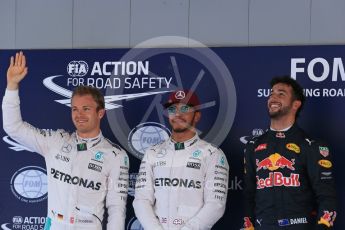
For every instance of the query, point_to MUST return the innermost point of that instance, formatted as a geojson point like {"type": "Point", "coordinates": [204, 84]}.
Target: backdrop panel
{"type": "Point", "coordinates": [232, 83]}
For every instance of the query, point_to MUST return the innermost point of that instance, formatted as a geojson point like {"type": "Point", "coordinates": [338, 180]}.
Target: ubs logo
{"type": "Point", "coordinates": [62, 158]}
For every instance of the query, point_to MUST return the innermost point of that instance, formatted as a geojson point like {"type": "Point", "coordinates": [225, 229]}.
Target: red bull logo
{"type": "Point", "coordinates": [274, 162]}
{"type": "Point", "coordinates": [264, 164]}
{"type": "Point", "coordinates": [277, 179]}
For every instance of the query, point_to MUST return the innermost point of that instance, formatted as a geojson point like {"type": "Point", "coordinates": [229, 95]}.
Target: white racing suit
{"type": "Point", "coordinates": [181, 186]}
{"type": "Point", "coordinates": [84, 176]}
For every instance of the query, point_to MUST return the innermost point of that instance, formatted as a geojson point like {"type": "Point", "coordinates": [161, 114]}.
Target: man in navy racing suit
{"type": "Point", "coordinates": [288, 176]}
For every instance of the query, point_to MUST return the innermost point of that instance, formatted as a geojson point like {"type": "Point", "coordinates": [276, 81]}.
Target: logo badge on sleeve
{"type": "Point", "coordinates": [324, 151]}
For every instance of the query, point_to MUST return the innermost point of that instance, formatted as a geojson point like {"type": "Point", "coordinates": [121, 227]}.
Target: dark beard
{"type": "Point", "coordinates": [280, 113]}
{"type": "Point", "coordinates": [182, 130]}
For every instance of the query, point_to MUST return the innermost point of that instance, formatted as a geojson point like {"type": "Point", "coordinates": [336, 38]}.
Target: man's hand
{"type": "Point", "coordinates": [16, 71]}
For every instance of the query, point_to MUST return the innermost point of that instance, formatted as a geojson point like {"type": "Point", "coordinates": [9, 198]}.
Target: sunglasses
{"type": "Point", "coordinates": [172, 110]}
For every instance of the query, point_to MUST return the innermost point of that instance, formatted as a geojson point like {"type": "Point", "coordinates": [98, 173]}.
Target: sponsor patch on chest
{"type": "Point", "coordinates": [194, 165]}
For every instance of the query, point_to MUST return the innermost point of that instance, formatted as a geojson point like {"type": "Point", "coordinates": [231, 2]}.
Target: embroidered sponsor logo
{"type": "Point", "coordinates": [277, 179]}
{"type": "Point", "coordinates": [62, 158]}
{"type": "Point", "coordinates": [197, 153]}
{"type": "Point", "coordinates": [95, 167]}
{"type": "Point", "coordinates": [274, 162]}
{"type": "Point", "coordinates": [324, 151]}
{"type": "Point", "coordinates": [99, 156]}
{"type": "Point", "coordinates": [325, 163]}
{"type": "Point", "coordinates": [222, 161]}
{"type": "Point", "coordinates": [66, 148]}
{"type": "Point", "coordinates": [177, 182]}
{"type": "Point", "coordinates": [293, 147]}
{"type": "Point", "coordinates": [261, 147]}
{"type": "Point", "coordinates": [66, 178]}
{"type": "Point", "coordinates": [193, 165]}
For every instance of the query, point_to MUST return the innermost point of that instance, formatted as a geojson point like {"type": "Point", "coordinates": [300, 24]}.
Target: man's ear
{"type": "Point", "coordinates": [101, 113]}
{"type": "Point", "coordinates": [296, 104]}
{"type": "Point", "coordinates": [197, 116]}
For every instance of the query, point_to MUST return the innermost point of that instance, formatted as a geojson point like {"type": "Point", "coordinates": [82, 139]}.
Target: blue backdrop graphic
{"type": "Point", "coordinates": [232, 84]}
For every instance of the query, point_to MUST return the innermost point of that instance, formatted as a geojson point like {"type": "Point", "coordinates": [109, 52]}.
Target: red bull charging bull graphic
{"type": "Point", "coordinates": [273, 163]}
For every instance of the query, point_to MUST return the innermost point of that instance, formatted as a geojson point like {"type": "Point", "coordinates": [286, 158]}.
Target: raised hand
{"type": "Point", "coordinates": [16, 71]}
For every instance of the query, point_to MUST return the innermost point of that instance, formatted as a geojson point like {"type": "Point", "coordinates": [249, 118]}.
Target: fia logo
{"type": "Point", "coordinates": [77, 68]}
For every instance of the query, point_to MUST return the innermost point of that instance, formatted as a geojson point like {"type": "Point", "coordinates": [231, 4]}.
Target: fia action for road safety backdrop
{"type": "Point", "coordinates": [232, 83]}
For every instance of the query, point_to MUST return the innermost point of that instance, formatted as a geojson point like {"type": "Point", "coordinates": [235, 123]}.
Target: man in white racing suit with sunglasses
{"type": "Point", "coordinates": [182, 182]}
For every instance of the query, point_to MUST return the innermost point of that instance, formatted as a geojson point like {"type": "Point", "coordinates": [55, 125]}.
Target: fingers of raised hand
{"type": "Point", "coordinates": [19, 60]}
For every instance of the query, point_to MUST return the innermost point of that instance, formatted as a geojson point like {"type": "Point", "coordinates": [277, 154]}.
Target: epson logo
{"type": "Point", "coordinates": [193, 165]}
{"type": "Point", "coordinates": [318, 69]}
{"type": "Point", "coordinates": [95, 167]}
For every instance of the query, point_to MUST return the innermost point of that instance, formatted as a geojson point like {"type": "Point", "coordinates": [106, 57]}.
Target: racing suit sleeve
{"type": "Point", "coordinates": [144, 196]}
{"type": "Point", "coordinates": [117, 191]}
{"type": "Point", "coordinates": [33, 138]}
{"type": "Point", "coordinates": [215, 193]}
{"type": "Point", "coordinates": [319, 167]}
{"type": "Point", "coordinates": [249, 189]}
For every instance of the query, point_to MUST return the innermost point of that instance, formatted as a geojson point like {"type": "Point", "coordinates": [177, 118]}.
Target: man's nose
{"type": "Point", "coordinates": [272, 96]}
{"type": "Point", "coordinates": [79, 112]}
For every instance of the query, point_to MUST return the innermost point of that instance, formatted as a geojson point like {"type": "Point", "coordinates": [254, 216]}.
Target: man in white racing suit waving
{"type": "Point", "coordinates": [182, 182]}
{"type": "Point", "coordinates": [86, 172]}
